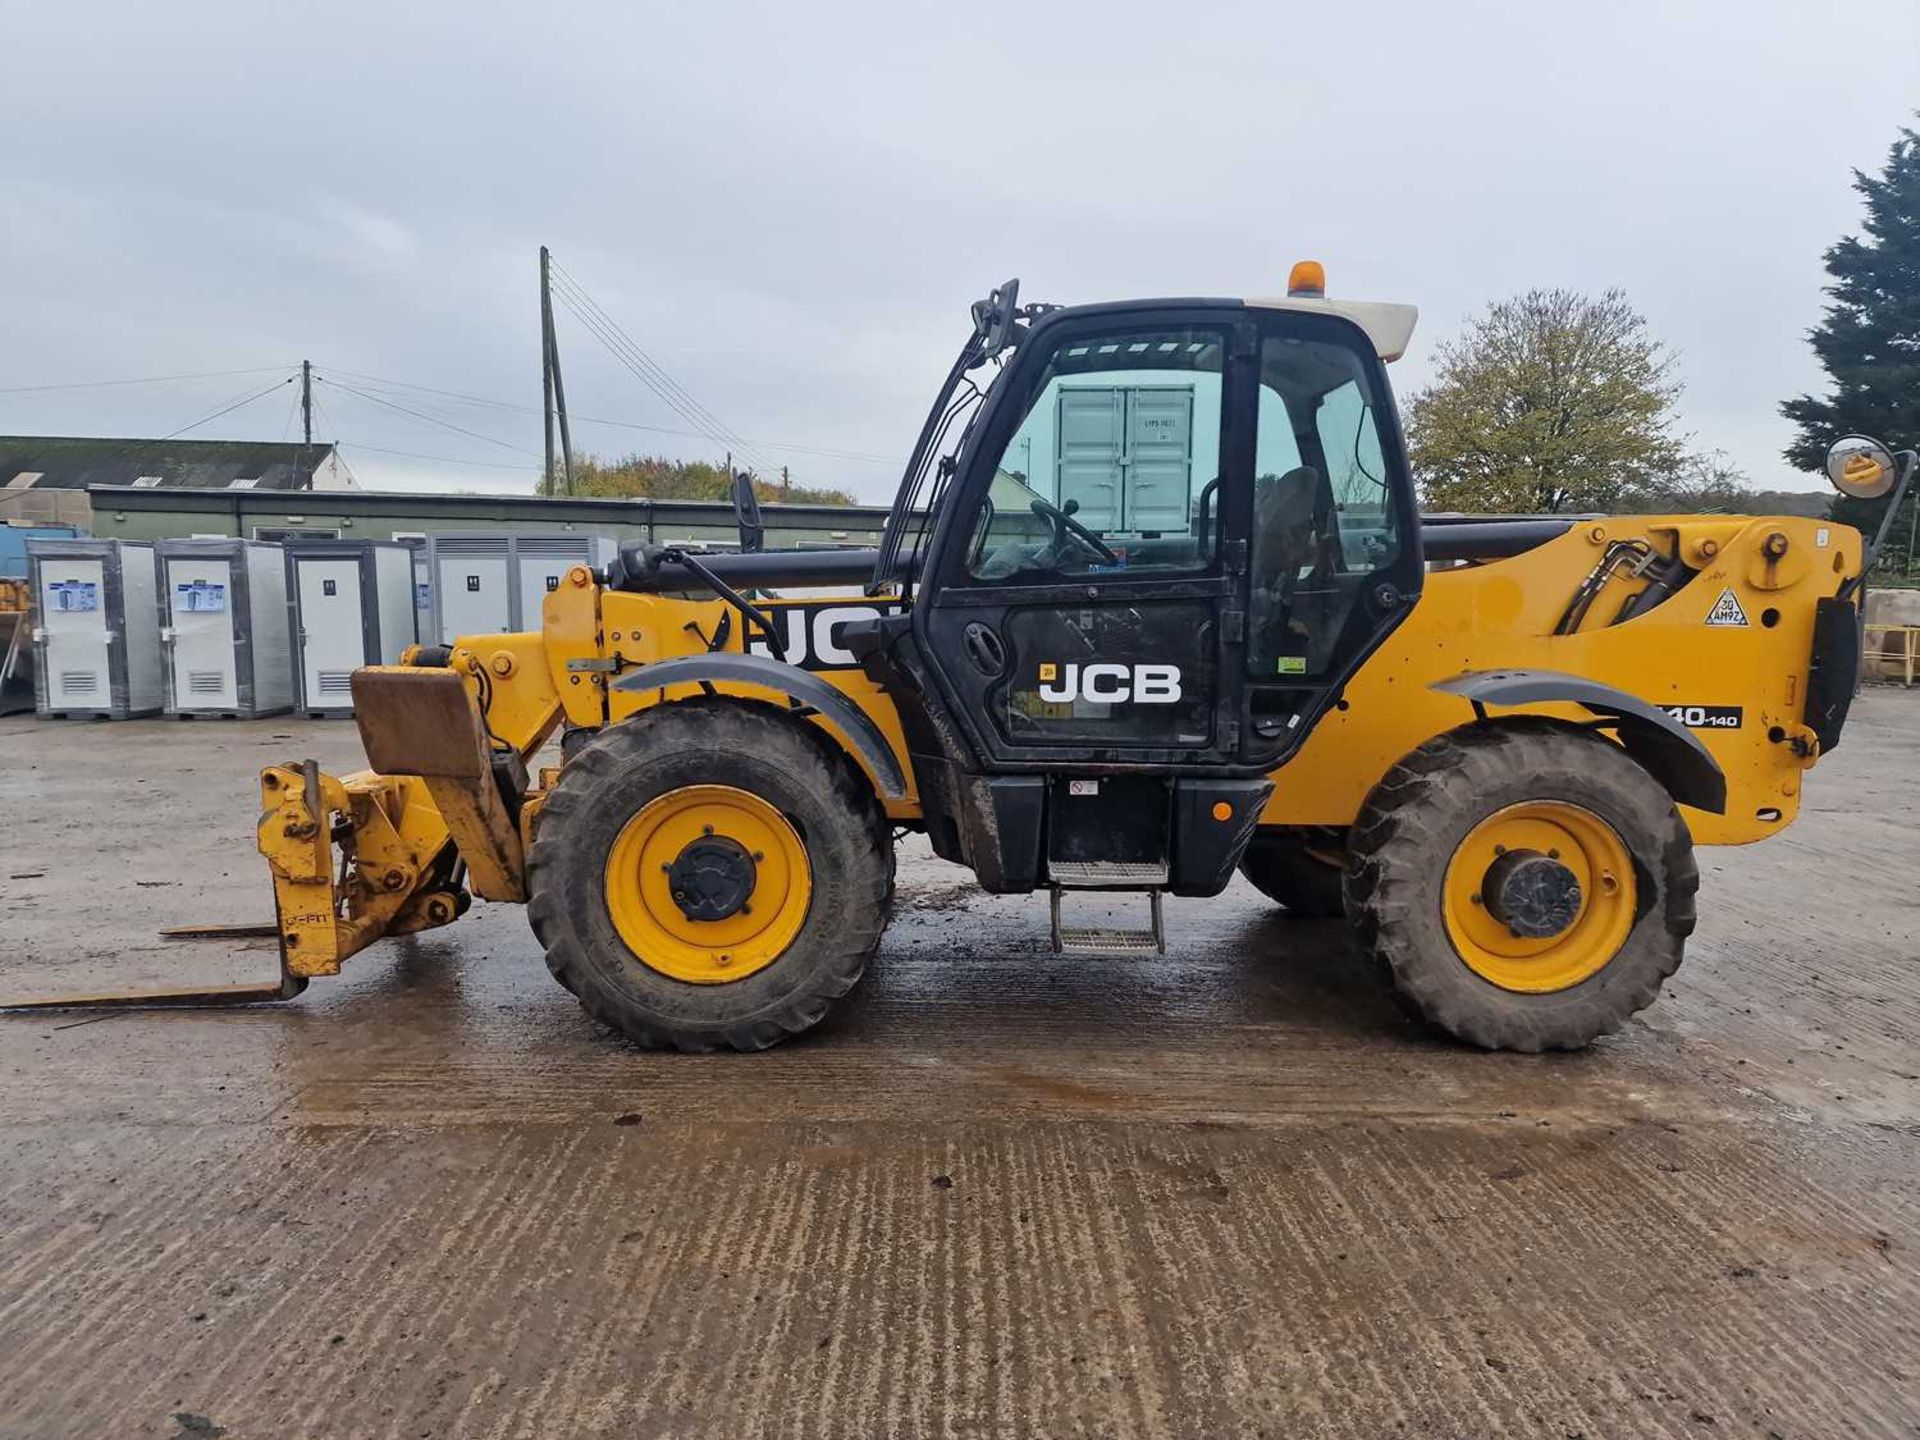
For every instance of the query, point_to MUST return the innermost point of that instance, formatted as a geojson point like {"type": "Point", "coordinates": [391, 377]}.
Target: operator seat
{"type": "Point", "coordinates": [1285, 542]}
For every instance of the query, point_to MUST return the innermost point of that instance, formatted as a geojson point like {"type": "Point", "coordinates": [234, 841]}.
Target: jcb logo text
{"type": "Point", "coordinates": [1110, 684]}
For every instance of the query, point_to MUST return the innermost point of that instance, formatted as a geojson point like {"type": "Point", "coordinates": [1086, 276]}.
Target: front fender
{"type": "Point", "coordinates": [834, 707]}
{"type": "Point", "coordinates": [1670, 752]}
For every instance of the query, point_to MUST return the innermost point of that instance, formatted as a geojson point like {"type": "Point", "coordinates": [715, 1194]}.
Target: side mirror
{"type": "Point", "coordinates": [1860, 467]}
{"type": "Point", "coordinates": [746, 514]}
{"type": "Point", "coordinates": [994, 317]}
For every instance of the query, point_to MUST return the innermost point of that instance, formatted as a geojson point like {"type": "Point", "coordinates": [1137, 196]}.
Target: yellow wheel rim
{"type": "Point", "coordinates": [640, 885]}
{"type": "Point", "coordinates": [1594, 930]}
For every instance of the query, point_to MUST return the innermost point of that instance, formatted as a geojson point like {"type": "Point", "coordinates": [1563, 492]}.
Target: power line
{"type": "Point", "coordinates": [649, 370]}
{"type": "Point", "coordinates": [816, 450]}
{"type": "Point", "coordinates": [326, 415]}
{"type": "Point", "coordinates": [674, 386]}
{"type": "Point", "coordinates": [228, 409]}
{"type": "Point", "coordinates": [433, 390]}
{"type": "Point", "coordinates": [406, 386]}
{"type": "Point", "coordinates": [322, 411]}
{"type": "Point", "coordinates": [341, 445]}
{"type": "Point", "coordinates": [447, 459]}
{"type": "Point", "coordinates": [651, 373]}
{"type": "Point", "coordinates": [147, 380]}
{"type": "Point", "coordinates": [422, 415]}
{"type": "Point", "coordinates": [637, 367]}
{"type": "Point", "coordinates": [703, 428]}
{"type": "Point", "coordinates": [286, 428]}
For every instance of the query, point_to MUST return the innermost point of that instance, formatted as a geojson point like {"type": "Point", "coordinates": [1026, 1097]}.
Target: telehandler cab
{"type": "Point", "coordinates": [1165, 609]}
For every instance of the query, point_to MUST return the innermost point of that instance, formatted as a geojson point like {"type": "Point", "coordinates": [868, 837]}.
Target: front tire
{"type": "Point", "coordinates": [709, 874]}
{"type": "Point", "coordinates": [1527, 883]}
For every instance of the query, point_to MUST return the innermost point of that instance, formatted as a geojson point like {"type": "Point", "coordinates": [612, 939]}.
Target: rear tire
{"type": "Point", "coordinates": [772, 776]}
{"type": "Point", "coordinates": [1298, 867]}
{"type": "Point", "coordinates": [1418, 849]}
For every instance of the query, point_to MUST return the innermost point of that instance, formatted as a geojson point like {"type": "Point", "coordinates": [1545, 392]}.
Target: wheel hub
{"type": "Point", "coordinates": [1532, 894]}
{"type": "Point", "coordinates": [712, 878]}
{"type": "Point", "coordinates": [1539, 896]}
{"type": "Point", "coordinates": [708, 884]}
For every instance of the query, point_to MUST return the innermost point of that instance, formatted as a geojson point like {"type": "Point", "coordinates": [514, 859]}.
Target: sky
{"type": "Point", "coordinates": [788, 208]}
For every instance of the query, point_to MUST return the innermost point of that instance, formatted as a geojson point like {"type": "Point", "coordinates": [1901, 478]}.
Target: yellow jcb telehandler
{"type": "Point", "coordinates": [1154, 604]}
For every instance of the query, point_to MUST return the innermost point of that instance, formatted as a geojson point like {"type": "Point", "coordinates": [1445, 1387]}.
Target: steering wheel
{"type": "Point", "coordinates": [1064, 525]}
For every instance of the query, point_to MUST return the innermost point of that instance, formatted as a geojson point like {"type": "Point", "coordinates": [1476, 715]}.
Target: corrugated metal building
{"type": "Point", "coordinates": [46, 478]}
{"type": "Point", "coordinates": [78, 462]}
{"type": "Point", "coordinates": [160, 513]}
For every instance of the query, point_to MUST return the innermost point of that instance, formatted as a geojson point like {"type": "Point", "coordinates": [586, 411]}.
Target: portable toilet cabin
{"type": "Point", "coordinates": [495, 584]}
{"type": "Point", "coordinates": [223, 627]}
{"type": "Point", "coordinates": [472, 578]}
{"type": "Point", "coordinates": [541, 562]}
{"type": "Point", "coordinates": [352, 603]}
{"type": "Point", "coordinates": [95, 629]}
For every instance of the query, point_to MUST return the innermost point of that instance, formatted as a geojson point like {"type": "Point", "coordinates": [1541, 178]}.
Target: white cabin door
{"type": "Point", "coordinates": [332, 634]}
{"type": "Point", "coordinates": [200, 611]}
{"type": "Point", "coordinates": [73, 616]}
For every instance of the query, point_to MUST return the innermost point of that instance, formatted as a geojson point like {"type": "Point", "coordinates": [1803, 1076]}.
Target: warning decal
{"type": "Point", "coordinates": [1726, 611]}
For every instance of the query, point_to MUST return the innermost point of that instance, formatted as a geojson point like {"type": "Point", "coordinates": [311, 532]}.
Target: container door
{"type": "Point", "coordinates": [1159, 461]}
{"type": "Point", "coordinates": [1092, 454]}
{"type": "Point", "coordinates": [332, 641]}
{"type": "Point", "coordinates": [73, 615]}
{"type": "Point", "coordinates": [200, 611]}
{"type": "Point", "coordinates": [473, 596]}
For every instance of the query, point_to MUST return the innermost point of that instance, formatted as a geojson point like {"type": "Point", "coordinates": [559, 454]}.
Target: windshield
{"type": "Point", "coordinates": [1115, 464]}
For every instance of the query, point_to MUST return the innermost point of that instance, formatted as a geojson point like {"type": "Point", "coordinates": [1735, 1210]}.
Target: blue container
{"type": "Point", "coordinates": [13, 545]}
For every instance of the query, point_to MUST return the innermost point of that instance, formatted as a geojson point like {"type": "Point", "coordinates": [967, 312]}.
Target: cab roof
{"type": "Point", "coordinates": [1388, 326]}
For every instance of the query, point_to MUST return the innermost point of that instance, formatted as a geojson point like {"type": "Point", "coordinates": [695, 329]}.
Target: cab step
{"type": "Point", "coordinates": [1105, 940]}
{"type": "Point", "coordinates": [1106, 874]}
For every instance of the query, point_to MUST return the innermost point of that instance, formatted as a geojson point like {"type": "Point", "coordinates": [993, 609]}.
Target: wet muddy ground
{"type": "Point", "coordinates": [1225, 1192]}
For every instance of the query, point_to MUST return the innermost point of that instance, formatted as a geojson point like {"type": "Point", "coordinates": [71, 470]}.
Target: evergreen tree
{"type": "Point", "coordinates": [1870, 339]}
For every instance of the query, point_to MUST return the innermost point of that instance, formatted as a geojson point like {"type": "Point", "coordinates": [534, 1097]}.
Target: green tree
{"type": "Point", "coordinates": [1705, 485]}
{"type": "Point", "coordinates": [1550, 401]}
{"type": "Point", "coordinates": [655, 477]}
{"type": "Point", "coordinates": [1869, 341]}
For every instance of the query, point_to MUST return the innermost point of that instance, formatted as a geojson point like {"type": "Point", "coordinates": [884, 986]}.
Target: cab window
{"type": "Point", "coordinates": [1114, 466]}
{"type": "Point", "coordinates": [1323, 518]}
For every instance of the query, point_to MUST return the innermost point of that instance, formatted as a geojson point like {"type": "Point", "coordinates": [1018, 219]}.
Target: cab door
{"type": "Point", "coordinates": [1084, 600]}
{"type": "Point", "coordinates": [1333, 533]}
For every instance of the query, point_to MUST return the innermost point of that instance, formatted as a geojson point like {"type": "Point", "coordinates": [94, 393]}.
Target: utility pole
{"type": "Point", "coordinates": [784, 482]}
{"type": "Point", "coordinates": [306, 420]}
{"type": "Point", "coordinates": [546, 370]}
{"type": "Point", "coordinates": [553, 390]}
